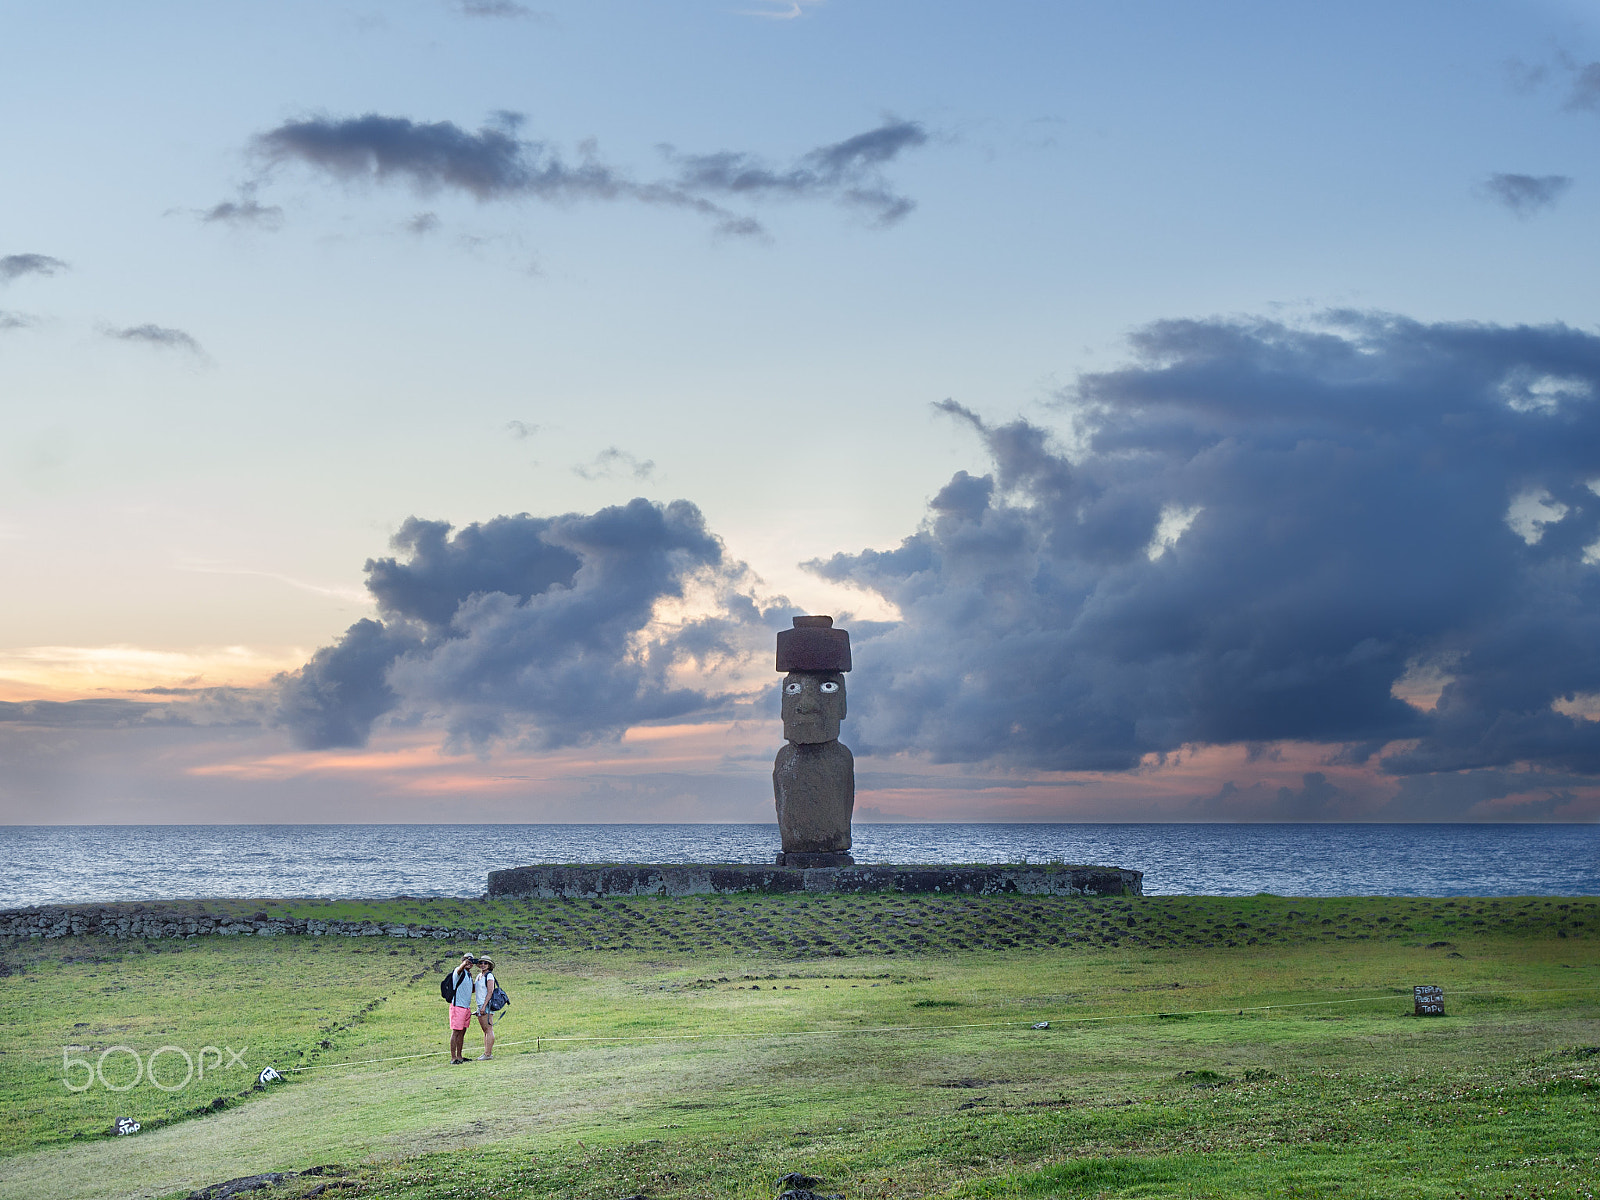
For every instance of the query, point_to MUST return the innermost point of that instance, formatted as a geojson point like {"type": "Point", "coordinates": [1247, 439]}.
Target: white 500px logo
{"type": "Point", "coordinates": [146, 1067]}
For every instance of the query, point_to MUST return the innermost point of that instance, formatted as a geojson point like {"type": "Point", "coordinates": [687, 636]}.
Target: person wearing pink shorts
{"type": "Point", "coordinates": [461, 1007]}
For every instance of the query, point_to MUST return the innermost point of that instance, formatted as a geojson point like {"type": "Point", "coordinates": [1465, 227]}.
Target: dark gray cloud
{"type": "Point", "coordinates": [1526, 195]}
{"type": "Point", "coordinates": [1316, 799]}
{"type": "Point", "coordinates": [14, 320]}
{"type": "Point", "coordinates": [158, 335]}
{"type": "Point", "coordinates": [245, 211]}
{"type": "Point", "coordinates": [424, 223]}
{"type": "Point", "coordinates": [193, 707]}
{"type": "Point", "coordinates": [334, 699]}
{"type": "Point", "coordinates": [15, 266]}
{"type": "Point", "coordinates": [1585, 93]}
{"type": "Point", "coordinates": [1437, 796]}
{"type": "Point", "coordinates": [491, 164]}
{"type": "Point", "coordinates": [496, 163]}
{"type": "Point", "coordinates": [1261, 534]}
{"type": "Point", "coordinates": [519, 556]}
{"type": "Point", "coordinates": [528, 627]}
{"type": "Point", "coordinates": [1583, 79]}
{"type": "Point", "coordinates": [849, 171]}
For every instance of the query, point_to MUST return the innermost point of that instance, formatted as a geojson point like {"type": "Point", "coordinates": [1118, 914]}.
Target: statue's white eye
{"type": "Point", "coordinates": [791, 689]}
{"type": "Point", "coordinates": [830, 687]}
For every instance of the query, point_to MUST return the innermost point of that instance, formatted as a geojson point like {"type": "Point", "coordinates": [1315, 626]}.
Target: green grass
{"type": "Point", "coordinates": [1174, 1065]}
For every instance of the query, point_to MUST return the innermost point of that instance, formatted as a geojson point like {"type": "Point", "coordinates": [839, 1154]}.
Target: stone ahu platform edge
{"type": "Point", "coordinates": [700, 879]}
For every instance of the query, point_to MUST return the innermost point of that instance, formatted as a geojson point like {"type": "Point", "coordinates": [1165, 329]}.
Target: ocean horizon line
{"type": "Point", "coordinates": [760, 824]}
{"type": "Point", "coordinates": [91, 863]}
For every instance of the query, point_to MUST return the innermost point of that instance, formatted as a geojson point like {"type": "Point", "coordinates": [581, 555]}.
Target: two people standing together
{"type": "Point", "coordinates": [469, 997]}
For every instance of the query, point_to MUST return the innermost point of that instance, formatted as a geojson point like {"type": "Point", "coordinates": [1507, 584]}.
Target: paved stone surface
{"type": "Point", "coordinates": [802, 924]}
{"type": "Point", "coordinates": [691, 879]}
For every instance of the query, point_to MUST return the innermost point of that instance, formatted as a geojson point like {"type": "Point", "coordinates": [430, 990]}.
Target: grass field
{"type": "Point", "coordinates": [1197, 1047]}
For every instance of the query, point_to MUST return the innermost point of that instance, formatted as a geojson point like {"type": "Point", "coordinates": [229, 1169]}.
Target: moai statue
{"type": "Point", "coordinates": [814, 775]}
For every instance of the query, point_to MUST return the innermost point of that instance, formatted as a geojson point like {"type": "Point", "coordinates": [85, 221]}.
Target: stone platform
{"type": "Point", "coordinates": [700, 879]}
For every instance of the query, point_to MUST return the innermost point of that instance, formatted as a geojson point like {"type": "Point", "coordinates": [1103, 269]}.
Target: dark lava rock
{"type": "Point", "coordinates": [235, 1187]}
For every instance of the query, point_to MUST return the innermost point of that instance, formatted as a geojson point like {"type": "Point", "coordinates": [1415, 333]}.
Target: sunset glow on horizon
{"type": "Point", "coordinates": [434, 413]}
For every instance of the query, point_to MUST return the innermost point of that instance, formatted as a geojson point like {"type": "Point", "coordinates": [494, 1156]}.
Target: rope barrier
{"type": "Point", "coordinates": [932, 1029]}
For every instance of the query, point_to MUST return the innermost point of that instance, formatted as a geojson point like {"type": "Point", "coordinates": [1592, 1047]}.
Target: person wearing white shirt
{"type": "Point", "coordinates": [461, 1001]}
{"type": "Point", "coordinates": [482, 990]}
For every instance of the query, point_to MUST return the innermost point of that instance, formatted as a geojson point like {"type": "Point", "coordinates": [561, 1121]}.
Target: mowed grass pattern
{"type": "Point", "coordinates": [871, 1041]}
{"type": "Point", "coordinates": [889, 924]}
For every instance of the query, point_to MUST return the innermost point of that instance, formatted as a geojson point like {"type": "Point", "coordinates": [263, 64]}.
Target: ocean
{"type": "Point", "coordinates": [99, 863]}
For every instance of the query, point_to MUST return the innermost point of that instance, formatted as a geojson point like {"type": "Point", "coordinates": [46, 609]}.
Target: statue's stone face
{"type": "Point", "coordinates": [813, 705]}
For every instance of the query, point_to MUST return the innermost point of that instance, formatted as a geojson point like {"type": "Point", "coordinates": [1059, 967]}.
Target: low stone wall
{"type": "Point", "coordinates": [698, 879]}
{"type": "Point", "coordinates": [57, 922]}
{"type": "Point", "coordinates": [189, 918]}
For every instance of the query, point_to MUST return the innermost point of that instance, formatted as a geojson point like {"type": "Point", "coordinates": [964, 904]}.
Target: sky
{"type": "Point", "coordinates": [431, 411]}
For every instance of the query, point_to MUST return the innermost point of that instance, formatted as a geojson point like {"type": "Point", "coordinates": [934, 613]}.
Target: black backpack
{"type": "Point", "coordinates": [447, 987]}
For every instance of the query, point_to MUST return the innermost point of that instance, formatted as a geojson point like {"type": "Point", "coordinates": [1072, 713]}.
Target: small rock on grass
{"type": "Point", "coordinates": [797, 1185]}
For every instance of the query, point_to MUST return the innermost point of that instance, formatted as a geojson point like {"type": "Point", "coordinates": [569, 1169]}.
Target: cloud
{"type": "Point", "coordinates": [245, 211]}
{"type": "Point", "coordinates": [496, 163]}
{"type": "Point", "coordinates": [424, 223]}
{"type": "Point", "coordinates": [14, 320]}
{"type": "Point", "coordinates": [158, 335]}
{"type": "Point", "coordinates": [334, 699]}
{"type": "Point", "coordinates": [198, 707]}
{"type": "Point", "coordinates": [1526, 195]}
{"type": "Point", "coordinates": [871, 814]}
{"type": "Point", "coordinates": [1316, 799]}
{"type": "Point", "coordinates": [522, 429]}
{"type": "Point", "coordinates": [86, 714]}
{"type": "Point", "coordinates": [1352, 488]}
{"type": "Point", "coordinates": [1585, 92]}
{"type": "Point", "coordinates": [1526, 77]}
{"type": "Point", "coordinates": [542, 629]}
{"type": "Point", "coordinates": [490, 164]}
{"type": "Point", "coordinates": [15, 266]}
{"type": "Point", "coordinates": [1454, 795]}
{"type": "Point", "coordinates": [848, 171]}
{"type": "Point", "coordinates": [496, 9]}
{"type": "Point", "coordinates": [607, 462]}
{"type": "Point", "coordinates": [1584, 79]}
